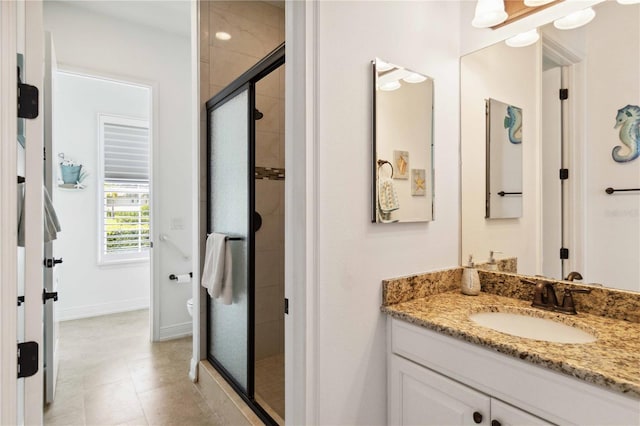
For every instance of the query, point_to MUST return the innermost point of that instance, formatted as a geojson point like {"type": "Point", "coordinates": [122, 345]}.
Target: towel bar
{"type": "Point", "coordinates": [612, 190]}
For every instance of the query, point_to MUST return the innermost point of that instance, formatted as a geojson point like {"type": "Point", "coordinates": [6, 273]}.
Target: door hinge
{"type": "Point", "coordinates": [46, 295]}
{"type": "Point", "coordinates": [27, 359]}
{"type": "Point", "coordinates": [564, 94]}
{"type": "Point", "coordinates": [27, 100]}
{"type": "Point", "coordinates": [564, 174]}
{"type": "Point", "coordinates": [564, 253]}
{"type": "Point", "coordinates": [50, 263]}
{"type": "Point", "coordinates": [20, 300]}
{"type": "Point", "coordinates": [286, 306]}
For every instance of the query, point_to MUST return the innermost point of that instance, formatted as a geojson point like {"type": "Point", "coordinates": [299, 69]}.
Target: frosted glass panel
{"type": "Point", "coordinates": [229, 209]}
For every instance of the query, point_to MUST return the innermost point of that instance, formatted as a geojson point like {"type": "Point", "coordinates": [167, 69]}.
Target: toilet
{"type": "Point", "coordinates": [190, 307]}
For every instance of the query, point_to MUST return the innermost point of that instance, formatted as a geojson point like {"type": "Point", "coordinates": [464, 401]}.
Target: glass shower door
{"type": "Point", "coordinates": [230, 201]}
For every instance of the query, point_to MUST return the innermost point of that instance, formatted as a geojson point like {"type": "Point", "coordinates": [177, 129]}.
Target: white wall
{"type": "Point", "coordinates": [511, 76]}
{"type": "Point", "coordinates": [86, 288]}
{"type": "Point", "coordinates": [85, 40]}
{"type": "Point", "coordinates": [353, 255]}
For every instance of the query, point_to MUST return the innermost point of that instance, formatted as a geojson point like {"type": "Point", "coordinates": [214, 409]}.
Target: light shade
{"type": "Point", "coordinates": [523, 39]}
{"type": "Point", "coordinates": [382, 65]}
{"type": "Point", "coordinates": [489, 13]}
{"type": "Point", "coordinates": [392, 85]}
{"type": "Point", "coordinates": [575, 19]}
{"type": "Point", "coordinates": [536, 3]}
{"type": "Point", "coordinates": [628, 1]}
{"type": "Point", "coordinates": [414, 78]}
{"type": "Point", "coordinates": [221, 35]}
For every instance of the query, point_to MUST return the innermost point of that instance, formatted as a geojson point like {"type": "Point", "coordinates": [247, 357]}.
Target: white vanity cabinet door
{"type": "Point", "coordinates": [507, 415]}
{"type": "Point", "coordinates": [419, 396]}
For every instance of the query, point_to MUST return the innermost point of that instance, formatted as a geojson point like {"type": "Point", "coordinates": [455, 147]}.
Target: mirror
{"type": "Point", "coordinates": [402, 144]}
{"type": "Point", "coordinates": [590, 137]}
{"type": "Point", "coordinates": [504, 160]}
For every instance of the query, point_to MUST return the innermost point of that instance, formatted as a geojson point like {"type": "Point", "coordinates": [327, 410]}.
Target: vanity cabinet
{"type": "Point", "coordinates": [420, 396]}
{"type": "Point", "coordinates": [441, 380]}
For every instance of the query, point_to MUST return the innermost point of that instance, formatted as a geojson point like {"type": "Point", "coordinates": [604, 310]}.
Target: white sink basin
{"type": "Point", "coordinates": [532, 327]}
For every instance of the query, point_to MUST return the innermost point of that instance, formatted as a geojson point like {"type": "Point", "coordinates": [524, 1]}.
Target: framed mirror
{"type": "Point", "coordinates": [504, 160]}
{"type": "Point", "coordinates": [402, 166]}
{"type": "Point", "coordinates": [575, 150]}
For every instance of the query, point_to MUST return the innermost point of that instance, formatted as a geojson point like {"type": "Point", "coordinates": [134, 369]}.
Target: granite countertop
{"type": "Point", "coordinates": [612, 361]}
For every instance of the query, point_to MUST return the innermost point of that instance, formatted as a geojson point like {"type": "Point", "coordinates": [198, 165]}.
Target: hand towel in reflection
{"type": "Point", "coordinates": [217, 272]}
{"type": "Point", "coordinates": [387, 197]}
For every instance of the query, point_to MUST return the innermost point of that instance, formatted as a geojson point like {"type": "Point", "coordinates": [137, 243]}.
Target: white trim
{"type": "Point", "coordinates": [197, 322]}
{"type": "Point", "coordinates": [8, 218]}
{"type": "Point", "coordinates": [176, 331]}
{"type": "Point", "coordinates": [99, 309]}
{"type": "Point", "coordinates": [301, 224]}
{"type": "Point", "coordinates": [34, 174]}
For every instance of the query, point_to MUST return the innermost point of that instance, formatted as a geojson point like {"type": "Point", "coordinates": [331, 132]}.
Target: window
{"type": "Point", "coordinates": [124, 190]}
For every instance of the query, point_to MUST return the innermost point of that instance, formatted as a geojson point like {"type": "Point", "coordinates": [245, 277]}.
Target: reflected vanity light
{"type": "Point", "coordinates": [382, 65]}
{"type": "Point", "coordinates": [414, 78]}
{"type": "Point", "coordinates": [489, 13]}
{"type": "Point", "coordinates": [536, 3]}
{"type": "Point", "coordinates": [575, 19]}
{"type": "Point", "coordinates": [390, 86]}
{"type": "Point", "coordinates": [629, 1]}
{"type": "Point", "coordinates": [523, 39]}
{"type": "Point", "coordinates": [221, 35]}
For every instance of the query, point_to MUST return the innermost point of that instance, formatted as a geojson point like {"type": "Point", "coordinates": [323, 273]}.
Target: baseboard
{"type": "Point", "coordinates": [176, 330]}
{"type": "Point", "coordinates": [88, 311]}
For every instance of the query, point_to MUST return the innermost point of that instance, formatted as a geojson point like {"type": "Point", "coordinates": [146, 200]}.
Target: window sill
{"type": "Point", "coordinates": [106, 263]}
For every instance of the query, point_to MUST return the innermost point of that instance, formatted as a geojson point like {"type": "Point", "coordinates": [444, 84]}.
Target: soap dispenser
{"type": "Point", "coordinates": [492, 265]}
{"type": "Point", "coordinates": [470, 279]}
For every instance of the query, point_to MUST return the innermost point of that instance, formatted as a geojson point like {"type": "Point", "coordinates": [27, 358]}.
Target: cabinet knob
{"type": "Point", "coordinates": [477, 417]}
{"type": "Point", "coordinates": [495, 423]}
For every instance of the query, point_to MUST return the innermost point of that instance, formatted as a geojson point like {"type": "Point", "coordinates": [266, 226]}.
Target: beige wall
{"type": "Point", "coordinates": [256, 28]}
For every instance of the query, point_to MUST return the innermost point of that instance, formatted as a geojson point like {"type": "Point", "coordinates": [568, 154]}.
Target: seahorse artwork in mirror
{"type": "Point", "coordinates": [402, 166]}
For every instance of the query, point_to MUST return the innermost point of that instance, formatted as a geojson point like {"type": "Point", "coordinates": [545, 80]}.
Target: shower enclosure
{"type": "Point", "coordinates": [231, 210]}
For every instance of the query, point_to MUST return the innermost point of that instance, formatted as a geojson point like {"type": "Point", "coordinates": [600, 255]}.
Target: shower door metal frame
{"type": "Point", "coordinates": [246, 81]}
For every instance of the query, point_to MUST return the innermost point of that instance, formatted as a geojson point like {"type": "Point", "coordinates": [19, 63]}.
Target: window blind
{"type": "Point", "coordinates": [126, 153]}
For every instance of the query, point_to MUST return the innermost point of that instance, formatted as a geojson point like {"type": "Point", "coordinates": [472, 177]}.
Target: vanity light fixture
{"type": "Point", "coordinates": [523, 39]}
{"type": "Point", "coordinates": [382, 65]}
{"type": "Point", "coordinates": [575, 19]}
{"type": "Point", "coordinates": [489, 13]}
{"type": "Point", "coordinates": [414, 78]}
{"type": "Point", "coordinates": [390, 86]}
{"type": "Point", "coordinates": [628, 1]}
{"type": "Point", "coordinates": [221, 35]}
{"type": "Point", "coordinates": [536, 3]}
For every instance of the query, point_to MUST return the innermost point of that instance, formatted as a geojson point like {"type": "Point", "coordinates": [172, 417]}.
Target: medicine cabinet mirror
{"type": "Point", "coordinates": [402, 144]}
{"type": "Point", "coordinates": [504, 160]}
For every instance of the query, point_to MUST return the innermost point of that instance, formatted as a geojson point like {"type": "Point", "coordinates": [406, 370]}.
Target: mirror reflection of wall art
{"type": "Point", "coordinates": [418, 182]}
{"type": "Point", "coordinates": [504, 160]}
{"type": "Point", "coordinates": [628, 119]}
{"type": "Point", "coordinates": [401, 164]}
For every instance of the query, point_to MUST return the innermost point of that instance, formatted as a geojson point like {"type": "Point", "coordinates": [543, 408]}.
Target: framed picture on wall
{"type": "Point", "coordinates": [418, 182]}
{"type": "Point", "coordinates": [401, 164]}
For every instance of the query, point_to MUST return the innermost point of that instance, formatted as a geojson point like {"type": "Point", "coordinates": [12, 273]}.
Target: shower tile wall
{"type": "Point", "coordinates": [256, 28]}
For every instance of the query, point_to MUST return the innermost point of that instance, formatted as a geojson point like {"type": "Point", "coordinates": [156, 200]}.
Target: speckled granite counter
{"type": "Point", "coordinates": [612, 361]}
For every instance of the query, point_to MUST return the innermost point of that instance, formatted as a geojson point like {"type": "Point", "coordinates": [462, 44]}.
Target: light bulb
{"type": "Point", "coordinates": [414, 78]}
{"type": "Point", "coordinates": [523, 39]}
{"type": "Point", "coordinates": [392, 85]}
{"type": "Point", "coordinates": [489, 13]}
{"type": "Point", "coordinates": [575, 19]}
{"type": "Point", "coordinates": [221, 35]}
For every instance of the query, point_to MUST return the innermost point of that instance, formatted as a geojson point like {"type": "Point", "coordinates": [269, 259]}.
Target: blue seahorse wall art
{"type": "Point", "coordinates": [513, 124]}
{"type": "Point", "coordinates": [628, 119]}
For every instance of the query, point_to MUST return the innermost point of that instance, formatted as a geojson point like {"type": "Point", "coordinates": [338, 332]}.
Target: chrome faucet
{"type": "Point", "coordinates": [573, 276]}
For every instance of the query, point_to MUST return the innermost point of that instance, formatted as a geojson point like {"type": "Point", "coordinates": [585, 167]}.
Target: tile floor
{"type": "Point", "coordinates": [269, 383]}
{"type": "Point", "coordinates": [111, 374]}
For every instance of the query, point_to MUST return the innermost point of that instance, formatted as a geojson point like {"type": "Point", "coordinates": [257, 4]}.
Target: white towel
{"type": "Point", "coordinates": [51, 222]}
{"type": "Point", "coordinates": [217, 273]}
{"type": "Point", "coordinates": [387, 197]}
